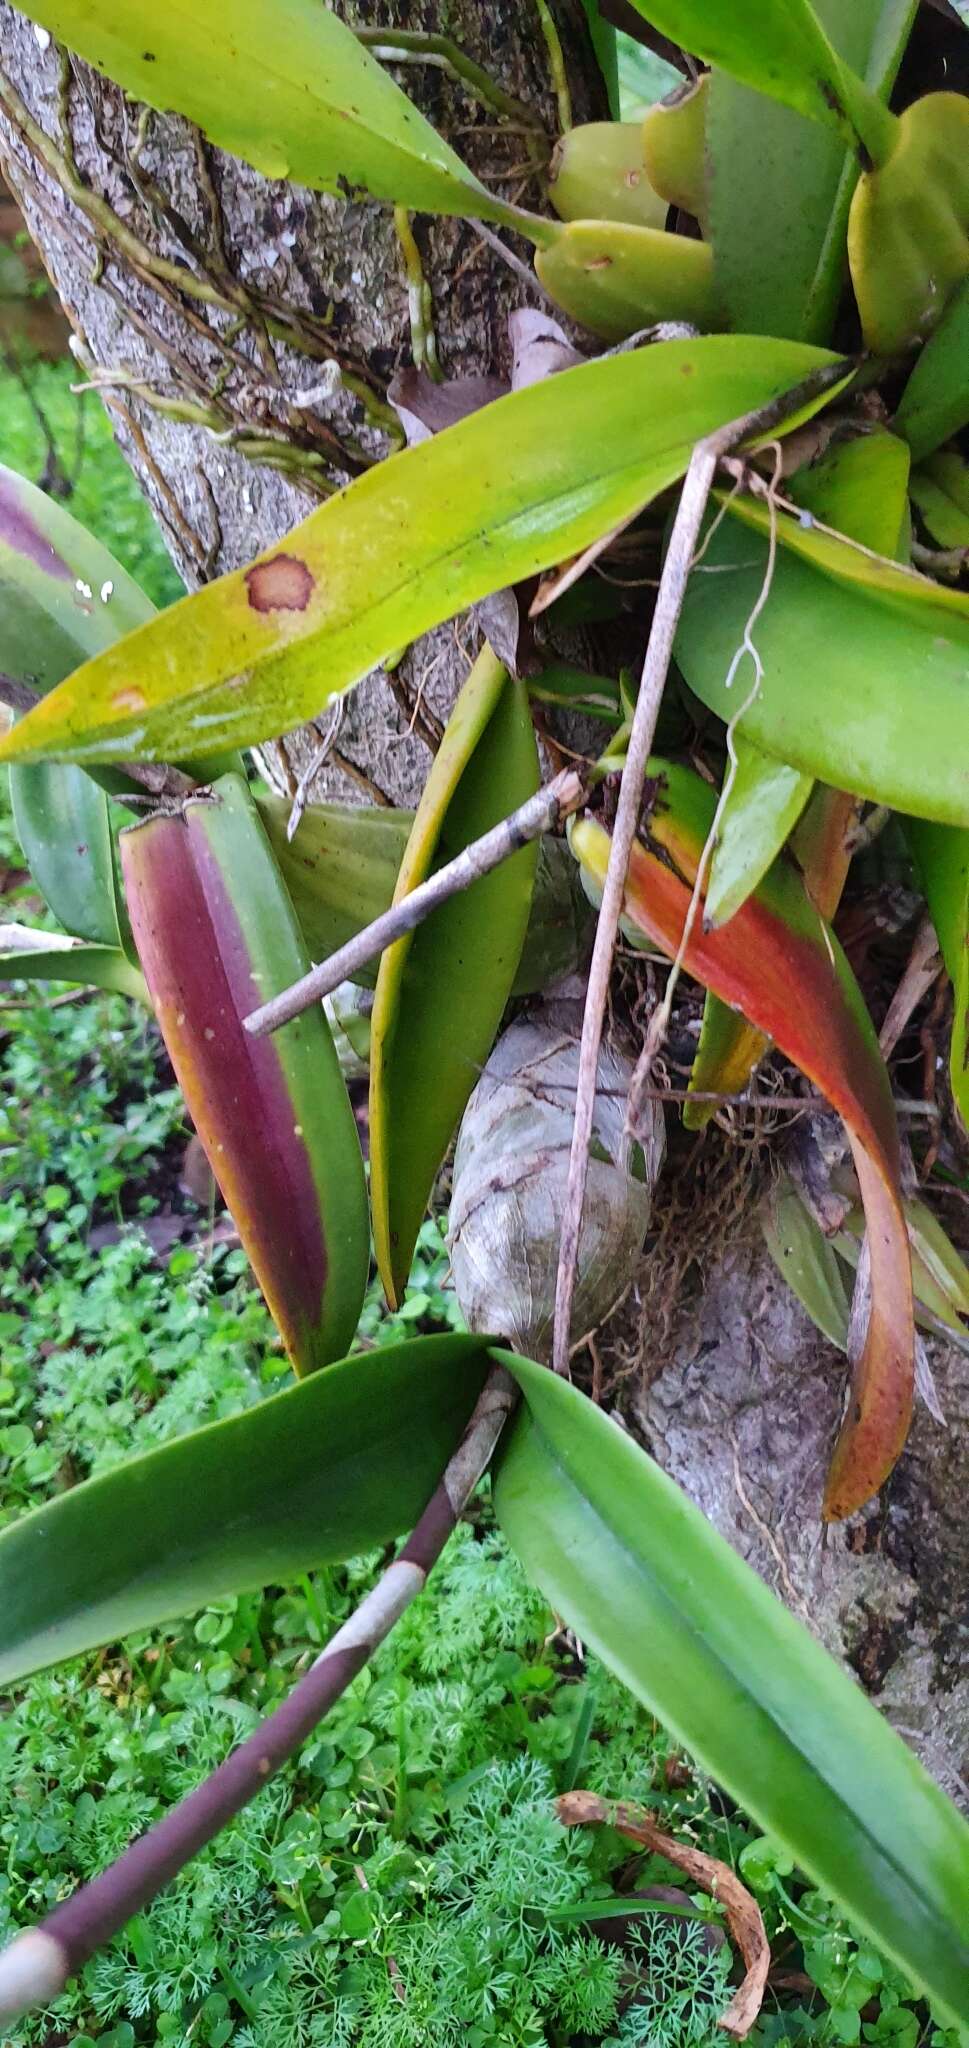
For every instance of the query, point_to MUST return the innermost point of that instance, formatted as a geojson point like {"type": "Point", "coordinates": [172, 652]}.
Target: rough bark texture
{"type": "Point", "coordinates": [745, 1410]}
{"type": "Point", "coordinates": [331, 265]}
{"type": "Point", "coordinates": [744, 1415]}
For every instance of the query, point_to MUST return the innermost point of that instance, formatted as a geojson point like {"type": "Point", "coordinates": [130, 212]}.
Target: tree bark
{"type": "Point", "coordinates": [740, 1398]}
{"type": "Point", "coordinates": [329, 269]}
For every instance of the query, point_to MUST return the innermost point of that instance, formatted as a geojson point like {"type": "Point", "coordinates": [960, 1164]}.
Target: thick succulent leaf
{"type": "Point", "coordinates": [290, 90]}
{"type": "Point", "coordinates": [577, 689]}
{"type": "Point", "coordinates": [342, 1461]}
{"type": "Point", "coordinates": [217, 935]}
{"type": "Point", "coordinates": [506, 493]}
{"type": "Point", "coordinates": [935, 402]}
{"type": "Point", "coordinates": [865, 663]}
{"type": "Point", "coordinates": [937, 1253]}
{"type": "Point", "coordinates": [29, 954]}
{"type": "Point", "coordinates": [675, 148]}
{"type": "Point", "coordinates": [604, 41]}
{"type": "Point", "coordinates": [781, 965]}
{"type": "Point", "coordinates": [633, 1567]}
{"type": "Point", "coordinates": [781, 50]}
{"type": "Point", "coordinates": [63, 822]}
{"type": "Point", "coordinates": [942, 861]}
{"type": "Point", "coordinates": [794, 180]}
{"type": "Point", "coordinates": [615, 278]}
{"type": "Point", "coordinates": [727, 1053]}
{"type": "Point", "coordinates": [806, 1259]}
{"type": "Point", "coordinates": [940, 492]}
{"type": "Point", "coordinates": [908, 229]}
{"type": "Point", "coordinates": [63, 598]}
{"type": "Point", "coordinates": [441, 990]}
{"type": "Point", "coordinates": [341, 871]}
{"type": "Point", "coordinates": [340, 868]}
{"type": "Point", "coordinates": [860, 488]}
{"type": "Point", "coordinates": [766, 799]}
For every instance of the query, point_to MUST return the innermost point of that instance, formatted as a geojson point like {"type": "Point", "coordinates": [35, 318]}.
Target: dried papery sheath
{"type": "Point", "coordinates": [216, 933]}
{"type": "Point", "coordinates": [510, 1173]}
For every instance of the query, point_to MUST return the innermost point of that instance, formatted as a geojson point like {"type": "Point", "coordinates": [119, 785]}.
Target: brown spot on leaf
{"type": "Point", "coordinates": [283, 584]}
{"type": "Point", "coordinates": [599, 263]}
{"type": "Point", "coordinates": [129, 700]}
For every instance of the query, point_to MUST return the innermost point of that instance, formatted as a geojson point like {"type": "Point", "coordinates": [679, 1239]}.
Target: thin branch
{"type": "Point", "coordinates": [540, 814]}
{"type": "Point", "coordinates": [38, 1963]}
{"type": "Point", "coordinates": [669, 604]}
{"type": "Point", "coordinates": [659, 1023]}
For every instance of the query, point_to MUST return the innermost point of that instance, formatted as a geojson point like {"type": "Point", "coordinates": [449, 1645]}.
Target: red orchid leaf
{"type": "Point", "coordinates": [778, 963]}
{"type": "Point", "coordinates": [217, 934]}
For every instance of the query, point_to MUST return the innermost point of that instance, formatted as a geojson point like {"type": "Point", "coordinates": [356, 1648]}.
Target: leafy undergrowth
{"type": "Point", "coordinates": [405, 1880]}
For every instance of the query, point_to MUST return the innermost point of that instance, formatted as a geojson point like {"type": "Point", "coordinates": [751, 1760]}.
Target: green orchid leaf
{"type": "Point", "coordinates": [216, 935]}
{"type": "Point", "coordinates": [940, 489]}
{"type": "Point", "coordinates": [29, 954]}
{"type": "Point", "coordinates": [942, 862]}
{"type": "Point", "coordinates": [341, 1462]}
{"type": "Point", "coordinates": [636, 1571]}
{"type": "Point", "coordinates": [442, 989]}
{"type": "Point", "coordinates": [765, 800]}
{"type": "Point", "coordinates": [616, 278]}
{"type": "Point", "coordinates": [864, 661]}
{"type": "Point", "coordinates": [781, 50]}
{"type": "Point", "coordinates": [727, 1052]}
{"type": "Point", "coordinates": [340, 867]}
{"type": "Point", "coordinates": [575, 689]}
{"type": "Point", "coordinates": [937, 1305]}
{"type": "Point", "coordinates": [935, 402]}
{"type": "Point", "coordinates": [766, 164]}
{"type": "Point", "coordinates": [908, 228]}
{"type": "Point", "coordinates": [807, 1260]}
{"type": "Point", "coordinates": [938, 1254]}
{"type": "Point", "coordinates": [508, 492]}
{"type": "Point", "coordinates": [778, 963]}
{"type": "Point", "coordinates": [63, 598]}
{"type": "Point", "coordinates": [860, 487]}
{"type": "Point", "coordinates": [341, 871]}
{"type": "Point", "coordinates": [604, 40]}
{"type": "Point", "coordinates": [290, 90]}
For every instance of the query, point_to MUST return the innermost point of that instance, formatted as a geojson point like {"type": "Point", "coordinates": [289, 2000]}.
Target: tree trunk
{"type": "Point", "coordinates": [738, 1398]}
{"type": "Point", "coordinates": [317, 283]}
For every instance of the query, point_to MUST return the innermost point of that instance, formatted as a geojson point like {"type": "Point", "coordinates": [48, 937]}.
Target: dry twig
{"type": "Point", "coordinates": [579, 1809]}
